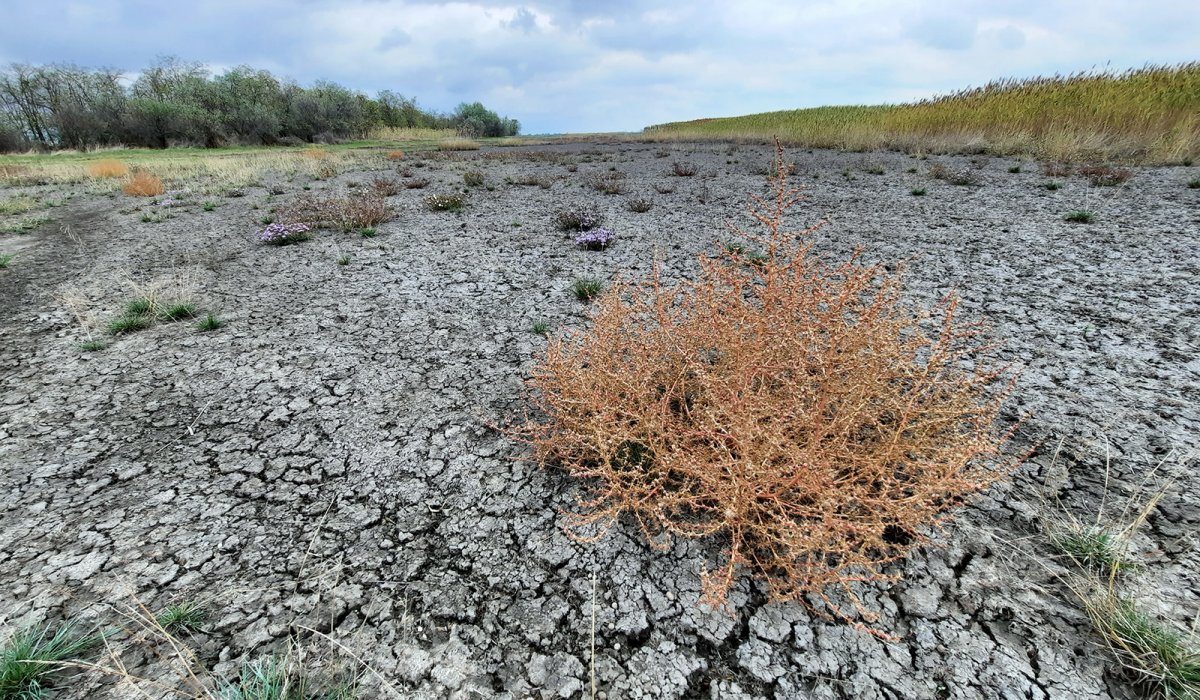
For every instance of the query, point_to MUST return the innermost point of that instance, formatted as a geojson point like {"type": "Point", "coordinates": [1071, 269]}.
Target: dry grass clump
{"type": "Point", "coordinates": [791, 408]}
{"type": "Point", "coordinates": [315, 153]}
{"type": "Point", "coordinates": [357, 211]}
{"type": "Point", "coordinates": [109, 167]}
{"type": "Point", "coordinates": [143, 184]}
{"type": "Point", "coordinates": [395, 155]}
{"type": "Point", "coordinates": [1104, 175]}
{"type": "Point", "coordinates": [416, 183]}
{"type": "Point", "coordinates": [385, 186]}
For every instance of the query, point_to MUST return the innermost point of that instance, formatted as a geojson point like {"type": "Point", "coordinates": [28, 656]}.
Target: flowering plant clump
{"type": "Point", "coordinates": [578, 220]}
{"type": "Point", "coordinates": [595, 239]}
{"type": "Point", "coordinates": [281, 234]}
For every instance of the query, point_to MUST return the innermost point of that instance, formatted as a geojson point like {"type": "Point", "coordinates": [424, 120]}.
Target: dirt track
{"type": "Point", "coordinates": [323, 461]}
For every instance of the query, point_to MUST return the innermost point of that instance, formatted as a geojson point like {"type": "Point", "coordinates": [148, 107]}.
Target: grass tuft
{"type": "Point", "coordinates": [5, 260]}
{"type": "Point", "coordinates": [130, 324]}
{"type": "Point", "coordinates": [188, 616]}
{"type": "Point", "coordinates": [33, 658]}
{"type": "Point", "coordinates": [587, 288]}
{"type": "Point", "coordinates": [445, 202]}
{"type": "Point", "coordinates": [1081, 216]}
{"type": "Point", "coordinates": [210, 322]}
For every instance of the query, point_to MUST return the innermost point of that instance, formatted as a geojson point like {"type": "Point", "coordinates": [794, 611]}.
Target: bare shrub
{"type": "Point", "coordinates": [1055, 169]}
{"type": "Point", "coordinates": [794, 409]}
{"type": "Point", "coordinates": [640, 205]}
{"type": "Point", "coordinates": [385, 186]}
{"type": "Point", "coordinates": [416, 183]}
{"type": "Point", "coordinates": [608, 183]}
{"type": "Point", "coordinates": [679, 169]}
{"type": "Point", "coordinates": [473, 178]}
{"type": "Point", "coordinates": [1104, 175]}
{"type": "Point", "coordinates": [357, 211]}
{"type": "Point", "coordinates": [954, 176]}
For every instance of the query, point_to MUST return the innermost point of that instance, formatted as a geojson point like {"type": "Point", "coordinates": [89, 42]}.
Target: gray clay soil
{"type": "Point", "coordinates": [325, 461]}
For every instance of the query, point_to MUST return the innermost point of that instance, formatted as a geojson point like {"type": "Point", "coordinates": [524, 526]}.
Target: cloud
{"type": "Point", "coordinates": [580, 65]}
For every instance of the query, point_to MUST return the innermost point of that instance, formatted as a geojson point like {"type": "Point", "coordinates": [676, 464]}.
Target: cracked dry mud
{"type": "Point", "coordinates": [324, 463]}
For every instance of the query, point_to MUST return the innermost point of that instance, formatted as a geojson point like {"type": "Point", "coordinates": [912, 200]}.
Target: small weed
{"type": "Point", "coordinates": [129, 324]}
{"type": "Point", "coordinates": [473, 178]}
{"type": "Point", "coordinates": [368, 232]}
{"type": "Point", "coordinates": [679, 169]}
{"type": "Point", "coordinates": [917, 191]}
{"type": "Point", "coordinates": [92, 345]}
{"type": "Point", "coordinates": [33, 657]}
{"type": "Point", "coordinates": [235, 192]}
{"type": "Point", "coordinates": [267, 220]}
{"type": "Point", "coordinates": [210, 322]}
{"type": "Point", "coordinates": [640, 205]}
{"type": "Point", "coordinates": [578, 219]}
{"type": "Point", "coordinates": [209, 206]}
{"type": "Point", "coordinates": [445, 202]}
{"type": "Point", "coordinates": [1082, 216]}
{"type": "Point", "coordinates": [416, 183]}
{"type": "Point", "coordinates": [664, 189]}
{"type": "Point", "coordinates": [187, 616]}
{"type": "Point", "coordinates": [874, 169]}
{"type": "Point", "coordinates": [343, 259]}
{"type": "Point", "coordinates": [5, 260]}
{"type": "Point", "coordinates": [541, 328]}
{"type": "Point", "coordinates": [587, 288]}
{"type": "Point", "coordinates": [1052, 186]}
{"type": "Point", "coordinates": [1194, 183]}
{"type": "Point", "coordinates": [1015, 169]}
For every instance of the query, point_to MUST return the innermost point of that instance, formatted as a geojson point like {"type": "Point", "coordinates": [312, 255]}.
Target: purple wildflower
{"type": "Point", "coordinates": [595, 239]}
{"type": "Point", "coordinates": [280, 234]}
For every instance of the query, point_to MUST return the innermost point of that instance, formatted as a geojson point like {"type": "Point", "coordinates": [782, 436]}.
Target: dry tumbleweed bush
{"type": "Point", "coordinates": [793, 408]}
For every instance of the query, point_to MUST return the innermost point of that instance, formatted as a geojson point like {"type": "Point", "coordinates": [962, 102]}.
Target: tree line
{"type": "Point", "coordinates": [177, 103]}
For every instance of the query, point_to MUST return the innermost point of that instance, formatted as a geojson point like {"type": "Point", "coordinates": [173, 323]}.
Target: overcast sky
{"type": "Point", "coordinates": [571, 66]}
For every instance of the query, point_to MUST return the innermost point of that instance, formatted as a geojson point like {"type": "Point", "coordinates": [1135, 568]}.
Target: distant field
{"type": "Point", "coordinates": [221, 168]}
{"type": "Point", "coordinates": [1148, 115]}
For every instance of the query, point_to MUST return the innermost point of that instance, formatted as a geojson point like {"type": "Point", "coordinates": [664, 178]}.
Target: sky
{"type": "Point", "coordinates": [562, 66]}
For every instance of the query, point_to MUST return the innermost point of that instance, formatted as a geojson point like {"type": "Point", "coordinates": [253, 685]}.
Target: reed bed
{"type": "Point", "coordinates": [1145, 115]}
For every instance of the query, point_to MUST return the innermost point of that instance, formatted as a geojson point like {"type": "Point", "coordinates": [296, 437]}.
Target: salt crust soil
{"type": "Point", "coordinates": [325, 462]}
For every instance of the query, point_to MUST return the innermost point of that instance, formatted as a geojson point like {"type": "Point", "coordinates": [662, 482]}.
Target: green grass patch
{"type": "Point", "coordinates": [5, 260]}
{"type": "Point", "coordinates": [24, 225]}
{"type": "Point", "coordinates": [1081, 216]}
